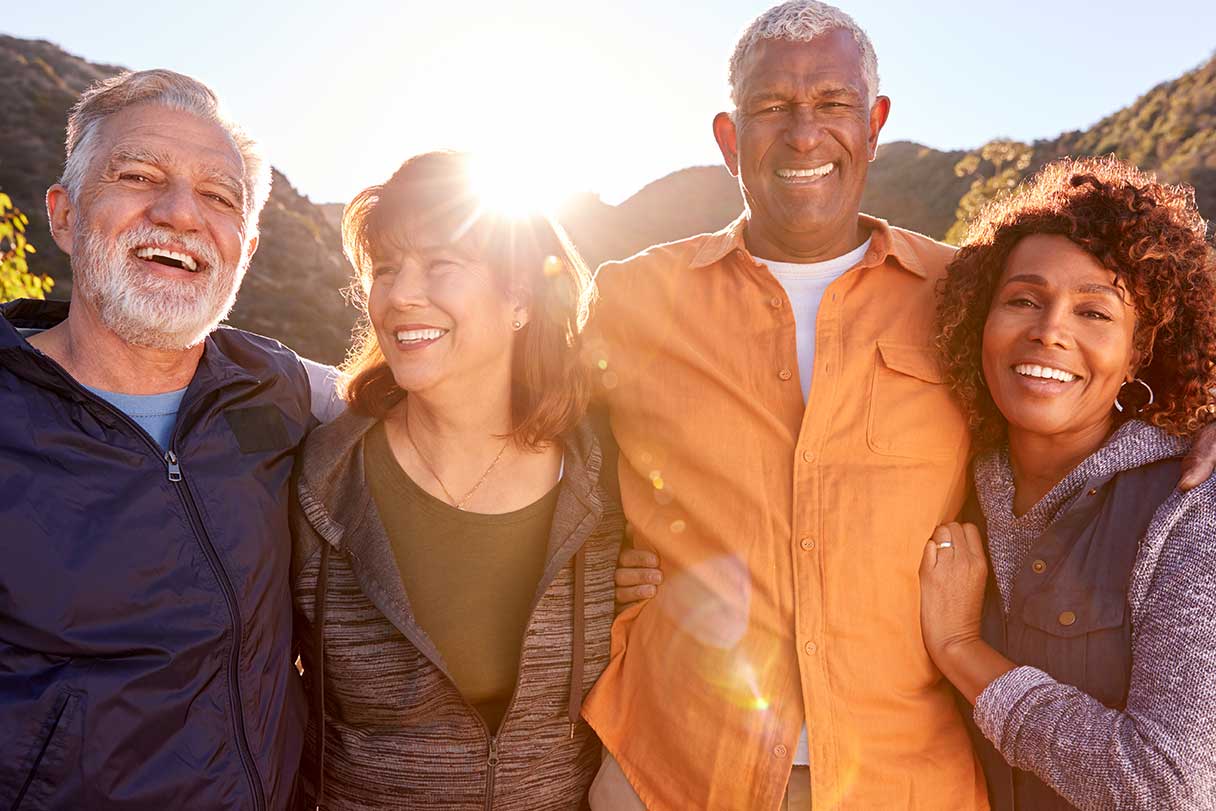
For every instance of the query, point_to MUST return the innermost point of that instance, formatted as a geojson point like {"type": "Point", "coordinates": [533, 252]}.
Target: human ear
{"type": "Point", "coordinates": [727, 138]}
{"type": "Point", "coordinates": [879, 111]}
{"type": "Point", "coordinates": [60, 214]}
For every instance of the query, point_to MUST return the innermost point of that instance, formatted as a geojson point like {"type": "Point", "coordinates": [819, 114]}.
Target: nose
{"type": "Point", "coordinates": [176, 206]}
{"type": "Point", "coordinates": [1051, 327]}
{"type": "Point", "coordinates": [409, 287]}
{"type": "Point", "coordinates": [805, 131]}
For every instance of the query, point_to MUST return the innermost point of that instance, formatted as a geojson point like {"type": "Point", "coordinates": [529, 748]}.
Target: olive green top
{"type": "Point", "coordinates": [470, 577]}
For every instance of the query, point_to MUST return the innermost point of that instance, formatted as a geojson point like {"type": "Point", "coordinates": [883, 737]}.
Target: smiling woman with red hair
{"type": "Point", "coordinates": [1078, 328]}
{"type": "Point", "coordinates": [457, 528]}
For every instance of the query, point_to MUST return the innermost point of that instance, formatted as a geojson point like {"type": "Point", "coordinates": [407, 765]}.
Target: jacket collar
{"type": "Point", "coordinates": [215, 367]}
{"type": "Point", "coordinates": [885, 242]}
{"type": "Point", "coordinates": [336, 500]}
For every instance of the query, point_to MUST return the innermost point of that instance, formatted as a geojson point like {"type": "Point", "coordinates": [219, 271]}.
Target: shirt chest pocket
{"type": "Point", "coordinates": [912, 413]}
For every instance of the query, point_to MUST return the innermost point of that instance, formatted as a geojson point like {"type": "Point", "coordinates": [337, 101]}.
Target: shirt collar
{"type": "Point", "coordinates": [885, 242]}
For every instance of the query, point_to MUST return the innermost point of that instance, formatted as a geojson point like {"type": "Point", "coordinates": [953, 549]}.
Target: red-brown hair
{"type": "Point", "coordinates": [550, 385]}
{"type": "Point", "coordinates": [1149, 234]}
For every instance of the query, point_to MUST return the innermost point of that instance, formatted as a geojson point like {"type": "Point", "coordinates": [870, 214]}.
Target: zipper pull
{"type": "Point", "coordinates": [493, 759]}
{"type": "Point", "coordinates": [175, 470]}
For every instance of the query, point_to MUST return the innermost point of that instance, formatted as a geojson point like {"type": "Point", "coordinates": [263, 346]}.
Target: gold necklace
{"type": "Point", "coordinates": [457, 503]}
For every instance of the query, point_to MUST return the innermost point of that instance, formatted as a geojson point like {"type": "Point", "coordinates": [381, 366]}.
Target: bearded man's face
{"type": "Point", "coordinates": [160, 238]}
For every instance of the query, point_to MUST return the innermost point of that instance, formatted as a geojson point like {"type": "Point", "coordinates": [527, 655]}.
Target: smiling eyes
{"type": "Point", "coordinates": [781, 107]}
{"type": "Point", "coordinates": [140, 179]}
{"type": "Point", "coordinates": [435, 267]}
{"type": "Point", "coordinates": [1085, 310]}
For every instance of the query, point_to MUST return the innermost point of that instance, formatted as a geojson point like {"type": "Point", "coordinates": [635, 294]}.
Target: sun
{"type": "Point", "coordinates": [515, 187]}
{"type": "Point", "coordinates": [510, 98]}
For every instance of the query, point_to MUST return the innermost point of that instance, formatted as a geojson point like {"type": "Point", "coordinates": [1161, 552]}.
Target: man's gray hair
{"type": "Point", "coordinates": [168, 89]}
{"type": "Point", "coordinates": [802, 21]}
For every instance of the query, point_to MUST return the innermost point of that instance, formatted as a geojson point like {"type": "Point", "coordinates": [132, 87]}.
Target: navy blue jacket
{"type": "Point", "coordinates": [145, 611]}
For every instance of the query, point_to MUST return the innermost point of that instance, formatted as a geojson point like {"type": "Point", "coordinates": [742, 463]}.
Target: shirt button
{"type": "Point", "coordinates": [807, 456]}
{"type": "Point", "coordinates": [785, 374]}
{"type": "Point", "coordinates": [775, 302]}
{"type": "Point", "coordinates": [1039, 566]}
{"type": "Point", "coordinates": [1068, 618]}
{"type": "Point", "coordinates": [780, 751]}
{"type": "Point", "coordinates": [807, 544]}
{"type": "Point", "coordinates": [810, 648]}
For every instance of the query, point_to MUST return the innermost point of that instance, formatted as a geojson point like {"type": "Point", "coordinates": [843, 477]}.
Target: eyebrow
{"type": "Point", "coordinates": [780, 89]}
{"type": "Point", "coordinates": [160, 159]}
{"type": "Point", "coordinates": [1039, 281]}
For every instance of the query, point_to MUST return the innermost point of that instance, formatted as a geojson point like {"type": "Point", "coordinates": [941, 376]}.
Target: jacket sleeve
{"type": "Point", "coordinates": [1160, 751]}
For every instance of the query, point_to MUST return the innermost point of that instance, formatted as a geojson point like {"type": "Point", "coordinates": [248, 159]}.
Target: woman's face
{"type": "Point", "coordinates": [440, 315]}
{"type": "Point", "coordinates": [1058, 342]}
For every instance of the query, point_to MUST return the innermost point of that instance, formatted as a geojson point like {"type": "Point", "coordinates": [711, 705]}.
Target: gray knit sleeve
{"type": "Point", "coordinates": [1160, 752]}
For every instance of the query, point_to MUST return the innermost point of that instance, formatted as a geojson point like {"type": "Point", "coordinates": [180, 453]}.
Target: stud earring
{"type": "Point", "coordinates": [517, 325]}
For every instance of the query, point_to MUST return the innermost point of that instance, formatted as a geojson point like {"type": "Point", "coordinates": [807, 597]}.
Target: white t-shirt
{"type": "Point", "coordinates": [805, 285]}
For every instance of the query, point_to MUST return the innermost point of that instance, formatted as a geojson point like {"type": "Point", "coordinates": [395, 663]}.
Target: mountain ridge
{"type": "Point", "coordinates": [293, 289]}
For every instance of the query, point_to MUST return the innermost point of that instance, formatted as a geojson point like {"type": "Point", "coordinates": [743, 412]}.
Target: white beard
{"type": "Point", "coordinates": [147, 310]}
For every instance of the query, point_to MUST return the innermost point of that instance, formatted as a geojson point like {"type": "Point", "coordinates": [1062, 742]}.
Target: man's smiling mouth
{"type": "Point", "coordinates": [806, 175]}
{"type": "Point", "coordinates": [173, 259]}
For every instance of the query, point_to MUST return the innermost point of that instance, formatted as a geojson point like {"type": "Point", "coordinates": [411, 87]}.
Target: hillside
{"type": "Point", "coordinates": [292, 290]}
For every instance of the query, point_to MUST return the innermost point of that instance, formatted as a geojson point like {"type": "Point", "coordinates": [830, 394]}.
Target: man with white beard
{"type": "Point", "coordinates": [145, 621]}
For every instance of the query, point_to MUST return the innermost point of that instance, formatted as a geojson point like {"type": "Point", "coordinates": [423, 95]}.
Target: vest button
{"type": "Point", "coordinates": [1039, 566]}
{"type": "Point", "coordinates": [785, 374]}
{"type": "Point", "coordinates": [780, 751]}
{"type": "Point", "coordinates": [1068, 618]}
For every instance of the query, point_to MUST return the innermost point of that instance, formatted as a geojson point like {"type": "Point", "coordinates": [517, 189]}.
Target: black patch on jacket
{"type": "Point", "coordinates": [257, 429]}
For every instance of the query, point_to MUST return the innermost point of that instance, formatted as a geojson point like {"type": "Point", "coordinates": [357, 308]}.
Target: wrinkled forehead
{"type": "Point", "coordinates": [172, 140]}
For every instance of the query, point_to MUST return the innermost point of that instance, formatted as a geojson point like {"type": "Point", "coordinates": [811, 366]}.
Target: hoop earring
{"type": "Point", "coordinates": [1147, 387]}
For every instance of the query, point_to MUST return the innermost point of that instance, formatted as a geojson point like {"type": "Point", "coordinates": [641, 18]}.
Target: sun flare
{"type": "Point", "coordinates": [514, 188]}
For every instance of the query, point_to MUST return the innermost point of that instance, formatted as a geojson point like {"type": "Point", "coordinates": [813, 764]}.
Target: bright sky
{"type": "Point", "coordinates": [614, 95]}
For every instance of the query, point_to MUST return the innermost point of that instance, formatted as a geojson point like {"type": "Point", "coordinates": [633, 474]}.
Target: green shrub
{"type": "Point", "coordinates": [16, 281]}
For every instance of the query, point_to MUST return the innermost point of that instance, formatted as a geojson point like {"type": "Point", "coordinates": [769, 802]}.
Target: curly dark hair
{"type": "Point", "coordinates": [1151, 235]}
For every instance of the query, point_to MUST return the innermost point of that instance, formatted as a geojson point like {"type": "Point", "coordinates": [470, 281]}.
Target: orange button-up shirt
{"type": "Point", "coordinates": [789, 533]}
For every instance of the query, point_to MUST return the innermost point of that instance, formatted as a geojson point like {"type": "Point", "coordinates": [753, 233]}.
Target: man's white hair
{"type": "Point", "coordinates": [176, 92]}
{"type": "Point", "coordinates": [802, 21]}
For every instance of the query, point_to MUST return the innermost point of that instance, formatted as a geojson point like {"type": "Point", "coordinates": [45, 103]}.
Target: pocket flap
{"type": "Point", "coordinates": [911, 359]}
{"type": "Point", "coordinates": [1071, 614]}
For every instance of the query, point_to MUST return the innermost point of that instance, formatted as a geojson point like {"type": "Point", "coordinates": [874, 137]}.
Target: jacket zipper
{"type": "Point", "coordinates": [492, 760]}
{"type": "Point", "coordinates": [492, 767]}
{"type": "Point", "coordinates": [221, 576]}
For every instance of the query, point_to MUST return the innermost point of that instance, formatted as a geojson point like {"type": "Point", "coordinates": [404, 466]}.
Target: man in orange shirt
{"type": "Point", "coordinates": [787, 445]}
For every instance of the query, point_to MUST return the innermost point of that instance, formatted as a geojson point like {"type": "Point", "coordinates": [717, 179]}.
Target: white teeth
{"type": "Point", "coordinates": [414, 335]}
{"type": "Point", "coordinates": [819, 171]}
{"type": "Point", "coordinates": [151, 253]}
{"type": "Point", "coordinates": [1046, 372]}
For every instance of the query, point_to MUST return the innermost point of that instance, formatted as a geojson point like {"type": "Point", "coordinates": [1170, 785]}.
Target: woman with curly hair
{"type": "Point", "coordinates": [1078, 328]}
